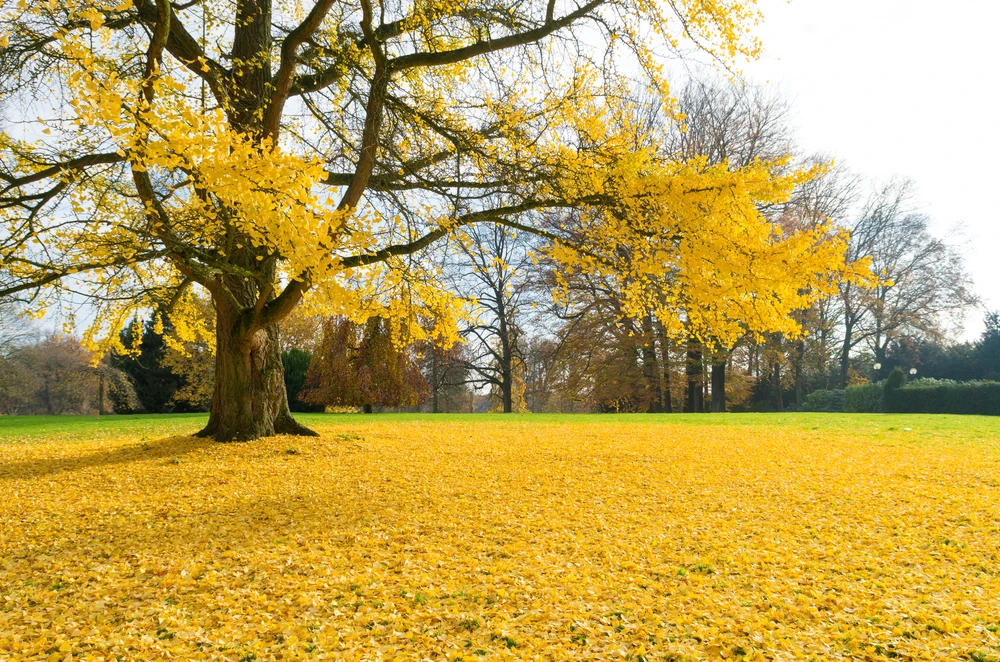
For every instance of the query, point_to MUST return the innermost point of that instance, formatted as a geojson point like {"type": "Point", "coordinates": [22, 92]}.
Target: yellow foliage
{"type": "Point", "coordinates": [611, 538]}
{"type": "Point", "coordinates": [248, 212]}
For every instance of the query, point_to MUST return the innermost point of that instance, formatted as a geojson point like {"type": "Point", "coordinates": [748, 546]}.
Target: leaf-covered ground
{"type": "Point", "coordinates": [483, 538]}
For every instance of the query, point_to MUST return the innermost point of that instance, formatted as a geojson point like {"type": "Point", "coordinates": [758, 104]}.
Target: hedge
{"type": "Point", "coordinates": [823, 400]}
{"type": "Point", "coordinates": [866, 398]}
{"type": "Point", "coordinates": [960, 398]}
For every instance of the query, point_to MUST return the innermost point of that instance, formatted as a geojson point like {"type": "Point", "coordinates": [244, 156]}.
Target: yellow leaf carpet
{"type": "Point", "coordinates": [485, 538]}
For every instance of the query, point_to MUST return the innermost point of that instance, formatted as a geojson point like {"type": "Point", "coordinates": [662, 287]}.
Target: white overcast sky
{"type": "Point", "coordinates": [901, 87]}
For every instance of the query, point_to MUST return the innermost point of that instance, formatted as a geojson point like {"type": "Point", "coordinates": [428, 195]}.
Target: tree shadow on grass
{"type": "Point", "coordinates": [140, 452]}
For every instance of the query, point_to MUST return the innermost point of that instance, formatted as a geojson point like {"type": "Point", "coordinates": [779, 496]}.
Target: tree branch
{"type": "Point", "coordinates": [286, 70]}
{"type": "Point", "coordinates": [188, 52]}
{"type": "Point", "coordinates": [78, 163]}
{"type": "Point", "coordinates": [426, 59]}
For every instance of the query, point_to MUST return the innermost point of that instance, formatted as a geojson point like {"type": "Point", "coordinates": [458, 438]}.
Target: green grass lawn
{"type": "Point", "coordinates": [27, 429]}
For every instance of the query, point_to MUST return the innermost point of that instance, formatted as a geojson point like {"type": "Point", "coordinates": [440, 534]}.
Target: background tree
{"type": "Point", "coordinates": [494, 277]}
{"type": "Point", "coordinates": [446, 371]}
{"type": "Point", "coordinates": [58, 376]}
{"type": "Point", "coordinates": [301, 330]}
{"type": "Point", "coordinates": [15, 330]}
{"type": "Point", "coordinates": [154, 382]}
{"type": "Point", "coordinates": [987, 350]}
{"type": "Point", "coordinates": [730, 128]}
{"type": "Point", "coordinates": [17, 383]}
{"type": "Point", "coordinates": [193, 362]}
{"type": "Point", "coordinates": [594, 358]}
{"type": "Point", "coordinates": [18, 386]}
{"type": "Point", "coordinates": [736, 125]}
{"type": "Point", "coordinates": [831, 196]}
{"type": "Point", "coordinates": [923, 277]}
{"type": "Point", "coordinates": [270, 153]}
{"type": "Point", "coordinates": [295, 363]}
{"type": "Point", "coordinates": [363, 366]}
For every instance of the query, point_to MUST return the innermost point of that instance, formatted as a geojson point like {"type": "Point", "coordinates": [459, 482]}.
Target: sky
{"type": "Point", "coordinates": [901, 88]}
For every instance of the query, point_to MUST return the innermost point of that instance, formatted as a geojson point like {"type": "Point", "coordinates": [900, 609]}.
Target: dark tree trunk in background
{"type": "Point", "coordinates": [667, 403]}
{"type": "Point", "coordinates": [435, 382]}
{"type": "Point", "coordinates": [799, 354]}
{"type": "Point", "coordinates": [651, 367]}
{"type": "Point", "coordinates": [508, 396]}
{"type": "Point", "coordinates": [693, 370]}
{"type": "Point", "coordinates": [845, 355]}
{"type": "Point", "coordinates": [719, 385]}
{"type": "Point", "coordinates": [100, 395]}
{"type": "Point", "coordinates": [664, 341]}
{"type": "Point", "coordinates": [506, 358]}
{"type": "Point", "coordinates": [776, 384]}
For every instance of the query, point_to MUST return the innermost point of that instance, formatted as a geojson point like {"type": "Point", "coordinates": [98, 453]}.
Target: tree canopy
{"type": "Point", "coordinates": [307, 152]}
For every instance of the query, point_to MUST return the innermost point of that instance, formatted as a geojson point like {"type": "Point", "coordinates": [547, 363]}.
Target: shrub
{"type": "Point", "coordinates": [824, 400]}
{"type": "Point", "coordinates": [957, 398]}
{"type": "Point", "coordinates": [865, 398]}
{"type": "Point", "coordinates": [931, 381]}
{"type": "Point", "coordinates": [896, 380]}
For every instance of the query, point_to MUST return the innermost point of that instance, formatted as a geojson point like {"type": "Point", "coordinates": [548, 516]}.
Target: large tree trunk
{"type": "Point", "coordinates": [249, 400]}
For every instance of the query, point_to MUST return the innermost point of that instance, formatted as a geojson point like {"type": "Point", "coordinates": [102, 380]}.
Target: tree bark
{"type": "Point", "coordinates": [776, 384]}
{"type": "Point", "coordinates": [435, 382]}
{"type": "Point", "coordinates": [845, 354]}
{"type": "Point", "coordinates": [100, 395]}
{"type": "Point", "coordinates": [719, 385]}
{"type": "Point", "coordinates": [666, 402]}
{"type": "Point", "coordinates": [696, 393]}
{"type": "Point", "coordinates": [506, 390]}
{"type": "Point", "coordinates": [650, 367]}
{"type": "Point", "coordinates": [506, 355]}
{"type": "Point", "coordinates": [249, 401]}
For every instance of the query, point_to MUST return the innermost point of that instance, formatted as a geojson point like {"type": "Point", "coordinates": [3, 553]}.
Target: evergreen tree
{"type": "Point", "coordinates": [296, 362]}
{"type": "Point", "coordinates": [154, 383]}
{"type": "Point", "coordinates": [988, 347]}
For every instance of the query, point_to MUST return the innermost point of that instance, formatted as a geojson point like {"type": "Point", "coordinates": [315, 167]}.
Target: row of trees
{"type": "Point", "coordinates": [334, 362]}
{"type": "Point", "coordinates": [547, 340]}
{"type": "Point", "coordinates": [537, 336]}
{"type": "Point", "coordinates": [54, 375]}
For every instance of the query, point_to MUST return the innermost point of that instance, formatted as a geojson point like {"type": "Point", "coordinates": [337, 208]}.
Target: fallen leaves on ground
{"type": "Point", "coordinates": [483, 539]}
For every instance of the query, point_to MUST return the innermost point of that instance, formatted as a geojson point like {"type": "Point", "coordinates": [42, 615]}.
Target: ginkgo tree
{"type": "Point", "coordinates": [290, 153]}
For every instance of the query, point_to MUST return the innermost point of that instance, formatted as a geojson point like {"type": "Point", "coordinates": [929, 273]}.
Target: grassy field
{"type": "Point", "coordinates": [772, 537]}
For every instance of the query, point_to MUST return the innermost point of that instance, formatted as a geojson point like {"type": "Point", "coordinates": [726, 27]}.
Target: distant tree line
{"type": "Point", "coordinates": [54, 375]}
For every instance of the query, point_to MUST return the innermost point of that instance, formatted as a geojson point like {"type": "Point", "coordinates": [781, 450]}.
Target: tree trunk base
{"type": "Point", "coordinates": [250, 400]}
{"type": "Point", "coordinates": [288, 425]}
{"type": "Point", "coordinates": [284, 425]}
